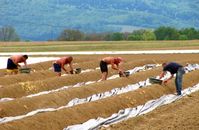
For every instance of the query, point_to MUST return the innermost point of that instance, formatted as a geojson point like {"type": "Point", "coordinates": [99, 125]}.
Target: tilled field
{"type": "Point", "coordinates": [20, 86]}
{"type": "Point", "coordinates": [181, 115]}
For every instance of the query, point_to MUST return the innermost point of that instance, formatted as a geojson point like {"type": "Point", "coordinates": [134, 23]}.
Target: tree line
{"type": "Point", "coordinates": [8, 33]}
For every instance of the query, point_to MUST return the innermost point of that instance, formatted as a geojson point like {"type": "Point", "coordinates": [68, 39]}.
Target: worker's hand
{"type": "Point", "coordinates": [66, 72]}
{"type": "Point", "coordinates": [71, 72]}
{"type": "Point", "coordinates": [165, 81]}
{"type": "Point", "coordinates": [121, 74]}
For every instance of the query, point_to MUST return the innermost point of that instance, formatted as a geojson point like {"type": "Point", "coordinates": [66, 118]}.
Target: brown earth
{"type": "Point", "coordinates": [30, 87]}
{"type": "Point", "coordinates": [103, 108]}
{"type": "Point", "coordinates": [43, 79]}
{"type": "Point", "coordinates": [25, 105]}
{"type": "Point", "coordinates": [180, 115]}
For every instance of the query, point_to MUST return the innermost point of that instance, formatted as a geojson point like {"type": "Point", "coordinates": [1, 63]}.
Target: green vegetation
{"type": "Point", "coordinates": [97, 46]}
{"type": "Point", "coordinates": [45, 19]}
{"type": "Point", "coordinates": [161, 33]}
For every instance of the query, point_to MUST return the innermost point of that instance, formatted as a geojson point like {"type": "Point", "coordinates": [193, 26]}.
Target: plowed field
{"type": "Point", "coordinates": [179, 115]}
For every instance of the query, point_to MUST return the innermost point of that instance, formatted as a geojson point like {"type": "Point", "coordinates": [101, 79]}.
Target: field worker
{"type": "Point", "coordinates": [59, 64]}
{"type": "Point", "coordinates": [115, 64]}
{"type": "Point", "coordinates": [174, 68]}
{"type": "Point", "coordinates": [13, 63]}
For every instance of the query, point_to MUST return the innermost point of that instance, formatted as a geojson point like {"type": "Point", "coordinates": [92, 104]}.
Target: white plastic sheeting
{"type": "Point", "coordinates": [77, 101]}
{"type": "Point", "coordinates": [94, 97]}
{"type": "Point", "coordinates": [132, 71]}
{"type": "Point", "coordinates": [128, 88]}
{"type": "Point", "coordinates": [138, 69]}
{"type": "Point", "coordinates": [94, 124]}
{"type": "Point", "coordinates": [83, 71]}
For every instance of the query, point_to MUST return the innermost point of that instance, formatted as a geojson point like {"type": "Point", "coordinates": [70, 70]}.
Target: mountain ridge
{"type": "Point", "coordinates": [43, 20]}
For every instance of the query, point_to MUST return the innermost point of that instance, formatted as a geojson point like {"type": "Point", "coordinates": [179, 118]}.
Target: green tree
{"type": "Point", "coordinates": [8, 33]}
{"type": "Point", "coordinates": [183, 37]}
{"type": "Point", "coordinates": [133, 37]}
{"type": "Point", "coordinates": [191, 33]}
{"type": "Point", "coordinates": [148, 35]}
{"type": "Point", "coordinates": [166, 33]}
{"type": "Point", "coordinates": [136, 35]}
{"type": "Point", "coordinates": [117, 36]}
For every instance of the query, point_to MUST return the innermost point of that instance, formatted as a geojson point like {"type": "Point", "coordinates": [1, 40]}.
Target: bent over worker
{"type": "Point", "coordinates": [174, 68]}
{"type": "Point", "coordinates": [13, 63]}
{"type": "Point", "coordinates": [59, 64]}
{"type": "Point", "coordinates": [115, 64]}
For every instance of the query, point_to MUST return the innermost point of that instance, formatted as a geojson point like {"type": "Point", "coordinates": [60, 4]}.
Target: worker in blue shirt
{"type": "Point", "coordinates": [174, 68]}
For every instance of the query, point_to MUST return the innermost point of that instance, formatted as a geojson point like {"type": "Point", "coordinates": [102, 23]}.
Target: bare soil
{"type": "Point", "coordinates": [44, 79]}
{"type": "Point", "coordinates": [180, 115]}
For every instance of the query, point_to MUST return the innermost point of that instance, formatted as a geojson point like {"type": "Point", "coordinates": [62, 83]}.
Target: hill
{"type": "Point", "coordinates": [42, 20]}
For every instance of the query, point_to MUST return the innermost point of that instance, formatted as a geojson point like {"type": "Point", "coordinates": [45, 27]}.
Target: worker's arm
{"type": "Point", "coordinates": [62, 66]}
{"type": "Point", "coordinates": [25, 63]}
{"type": "Point", "coordinates": [71, 67]}
{"type": "Point", "coordinates": [113, 66]}
{"type": "Point", "coordinates": [165, 81]}
{"type": "Point", "coordinates": [162, 74]}
{"type": "Point", "coordinates": [120, 70]}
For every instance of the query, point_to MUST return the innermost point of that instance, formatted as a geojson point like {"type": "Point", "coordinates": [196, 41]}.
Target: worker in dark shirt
{"type": "Point", "coordinates": [174, 68]}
